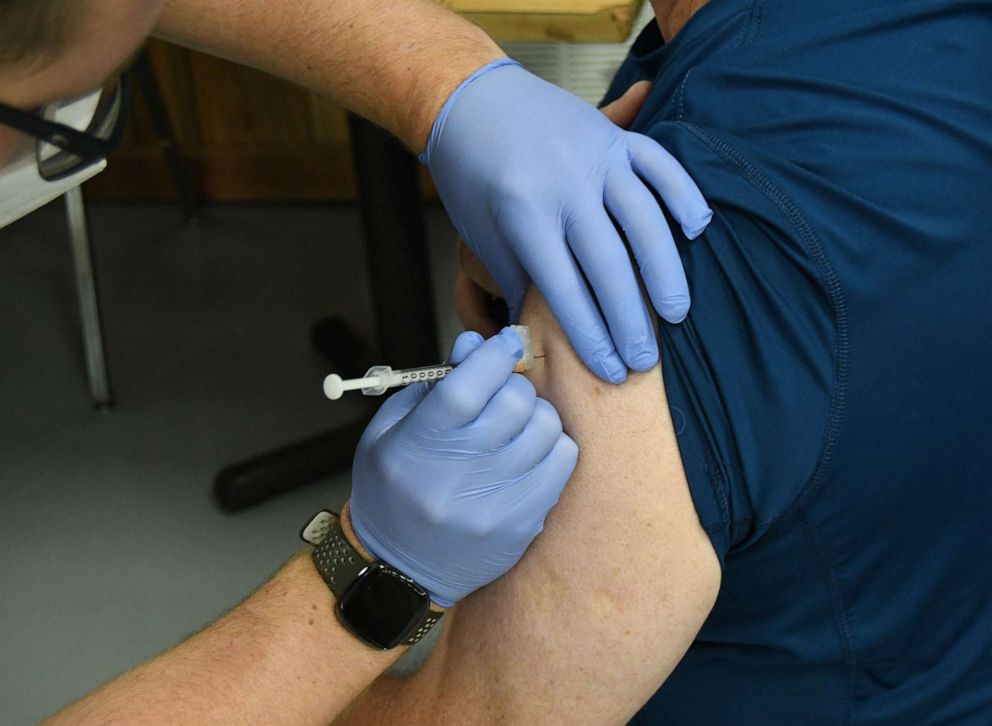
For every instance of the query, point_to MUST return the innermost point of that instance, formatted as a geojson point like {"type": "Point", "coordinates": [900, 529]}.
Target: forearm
{"type": "Point", "coordinates": [393, 62]}
{"type": "Point", "coordinates": [278, 657]}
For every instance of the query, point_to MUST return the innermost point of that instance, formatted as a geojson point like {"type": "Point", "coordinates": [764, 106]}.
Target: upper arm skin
{"type": "Point", "coordinates": [606, 601]}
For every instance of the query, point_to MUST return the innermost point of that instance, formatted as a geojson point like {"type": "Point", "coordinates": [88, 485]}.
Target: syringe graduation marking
{"type": "Point", "coordinates": [378, 379]}
{"type": "Point", "coordinates": [415, 375]}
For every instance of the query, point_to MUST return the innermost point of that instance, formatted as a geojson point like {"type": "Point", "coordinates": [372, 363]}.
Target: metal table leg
{"type": "Point", "coordinates": [89, 307]}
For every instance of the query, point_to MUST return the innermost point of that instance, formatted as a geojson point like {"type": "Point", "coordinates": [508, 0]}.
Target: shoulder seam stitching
{"type": "Point", "coordinates": [751, 25]}
{"type": "Point", "coordinates": [835, 294]}
{"type": "Point", "coordinates": [680, 106]}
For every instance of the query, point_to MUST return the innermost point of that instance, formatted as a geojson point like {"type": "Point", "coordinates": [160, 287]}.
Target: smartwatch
{"type": "Point", "coordinates": [377, 603]}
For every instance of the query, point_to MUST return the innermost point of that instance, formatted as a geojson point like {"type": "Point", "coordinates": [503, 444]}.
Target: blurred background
{"type": "Point", "coordinates": [241, 251]}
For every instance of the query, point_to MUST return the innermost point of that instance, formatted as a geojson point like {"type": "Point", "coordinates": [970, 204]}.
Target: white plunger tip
{"type": "Point", "coordinates": [333, 387]}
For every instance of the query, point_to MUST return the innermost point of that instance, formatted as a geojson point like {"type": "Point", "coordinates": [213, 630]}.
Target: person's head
{"type": "Point", "coordinates": [63, 97]}
{"type": "Point", "coordinates": [57, 49]}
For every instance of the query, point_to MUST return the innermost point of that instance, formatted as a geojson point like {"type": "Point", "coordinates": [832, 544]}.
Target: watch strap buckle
{"type": "Point", "coordinates": [318, 527]}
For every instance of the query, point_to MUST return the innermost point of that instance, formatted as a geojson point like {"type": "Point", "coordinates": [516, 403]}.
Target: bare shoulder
{"type": "Point", "coordinates": [630, 467]}
{"type": "Point", "coordinates": [630, 479]}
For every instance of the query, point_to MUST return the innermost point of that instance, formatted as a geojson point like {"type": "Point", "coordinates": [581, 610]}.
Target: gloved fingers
{"type": "Point", "coordinates": [392, 410]}
{"type": "Point", "coordinates": [465, 344]}
{"type": "Point", "coordinates": [506, 414]}
{"type": "Point", "coordinates": [642, 220]}
{"type": "Point", "coordinates": [396, 407]}
{"type": "Point", "coordinates": [541, 490]}
{"type": "Point", "coordinates": [672, 182]}
{"type": "Point", "coordinates": [561, 461]}
{"type": "Point", "coordinates": [459, 398]}
{"type": "Point", "coordinates": [535, 442]}
{"type": "Point", "coordinates": [604, 259]}
{"type": "Point", "coordinates": [557, 276]}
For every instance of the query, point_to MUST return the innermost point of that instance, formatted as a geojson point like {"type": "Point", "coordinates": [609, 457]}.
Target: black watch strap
{"type": "Point", "coordinates": [337, 561]}
{"type": "Point", "coordinates": [340, 565]}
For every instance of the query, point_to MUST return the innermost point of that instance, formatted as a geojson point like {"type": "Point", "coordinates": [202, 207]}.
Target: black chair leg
{"type": "Point", "coordinates": [252, 481]}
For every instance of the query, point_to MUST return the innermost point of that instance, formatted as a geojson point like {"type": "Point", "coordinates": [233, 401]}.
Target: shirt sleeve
{"type": "Point", "coordinates": [749, 373]}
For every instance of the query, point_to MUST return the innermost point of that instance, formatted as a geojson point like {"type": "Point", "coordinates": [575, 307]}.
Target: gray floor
{"type": "Point", "coordinates": [110, 546]}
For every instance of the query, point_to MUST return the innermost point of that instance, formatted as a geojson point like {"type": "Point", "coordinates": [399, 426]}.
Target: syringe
{"type": "Point", "coordinates": [378, 379]}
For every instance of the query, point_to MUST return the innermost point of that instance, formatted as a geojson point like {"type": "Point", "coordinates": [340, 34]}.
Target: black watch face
{"type": "Point", "coordinates": [382, 606]}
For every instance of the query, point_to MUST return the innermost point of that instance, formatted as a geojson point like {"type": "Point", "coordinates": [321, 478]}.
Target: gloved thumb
{"type": "Point", "coordinates": [464, 346]}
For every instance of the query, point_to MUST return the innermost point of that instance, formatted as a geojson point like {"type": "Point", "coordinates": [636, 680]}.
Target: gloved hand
{"type": "Point", "coordinates": [451, 484]}
{"type": "Point", "coordinates": [530, 174]}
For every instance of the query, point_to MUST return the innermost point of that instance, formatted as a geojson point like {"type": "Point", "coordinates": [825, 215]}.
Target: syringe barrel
{"type": "Point", "coordinates": [417, 375]}
{"type": "Point", "coordinates": [378, 379]}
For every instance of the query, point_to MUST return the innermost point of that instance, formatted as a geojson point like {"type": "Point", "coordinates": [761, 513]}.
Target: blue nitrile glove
{"type": "Point", "coordinates": [452, 483]}
{"type": "Point", "coordinates": [530, 175]}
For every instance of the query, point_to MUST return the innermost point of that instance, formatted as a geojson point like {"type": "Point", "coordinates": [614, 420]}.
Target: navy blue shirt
{"type": "Point", "coordinates": [831, 385]}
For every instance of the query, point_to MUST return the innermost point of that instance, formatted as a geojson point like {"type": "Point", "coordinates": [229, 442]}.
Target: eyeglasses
{"type": "Point", "coordinates": [62, 150]}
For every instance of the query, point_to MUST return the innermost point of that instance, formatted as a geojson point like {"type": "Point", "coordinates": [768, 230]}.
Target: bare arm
{"type": "Point", "coordinates": [392, 61]}
{"type": "Point", "coordinates": [609, 597]}
{"type": "Point", "coordinates": [583, 630]}
{"type": "Point", "coordinates": [279, 657]}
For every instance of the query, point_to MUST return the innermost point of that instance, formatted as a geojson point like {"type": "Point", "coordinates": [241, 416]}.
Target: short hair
{"type": "Point", "coordinates": [33, 31]}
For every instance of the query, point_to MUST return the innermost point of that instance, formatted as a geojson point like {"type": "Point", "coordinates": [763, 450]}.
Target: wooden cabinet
{"type": "Point", "coordinates": [574, 21]}
{"type": "Point", "coordinates": [244, 135]}
{"type": "Point", "coordinates": [247, 136]}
